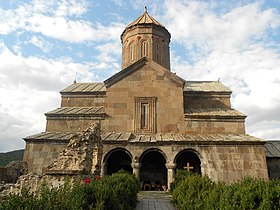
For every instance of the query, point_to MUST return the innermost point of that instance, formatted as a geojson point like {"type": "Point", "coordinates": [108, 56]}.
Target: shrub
{"type": "Point", "coordinates": [116, 192]}
{"type": "Point", "coordinates": [195, 192]}
{"type": "Point", "coordinates": [192, 191]}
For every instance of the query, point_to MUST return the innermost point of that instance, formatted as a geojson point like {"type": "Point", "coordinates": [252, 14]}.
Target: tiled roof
{"type": "Point", "coordinates": [205, 86]}
{"type": "Point", "coordinates": [51, 136]}
{"type": "Point", "coordinates": [272, 149]}
{"type": "Point", "coordinates": [213, 112]}
{"type": "Point", "coordinates": [99, 110]}
{"type": "Point", "coordinates": [115, 137]}
{"type": "Point", "coordinates": [93, 88]}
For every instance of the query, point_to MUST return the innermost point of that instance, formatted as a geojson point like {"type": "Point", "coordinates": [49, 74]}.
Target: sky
{"type": "Point", "coordinates": [46, 45]}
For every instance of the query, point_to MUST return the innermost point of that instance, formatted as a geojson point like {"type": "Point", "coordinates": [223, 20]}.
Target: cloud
{"type": "Point", "coordinates": [54, 19]}
{"type": "Point", "coordinates": [233, 45]}
{"type": "Point", "coordinates": [29, 87]}
{"type": "Point", "coordinates": [39, 42]}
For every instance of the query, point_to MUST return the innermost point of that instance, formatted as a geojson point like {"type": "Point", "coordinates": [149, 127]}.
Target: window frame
{"type": "Point", "coordinates": [145, 115]}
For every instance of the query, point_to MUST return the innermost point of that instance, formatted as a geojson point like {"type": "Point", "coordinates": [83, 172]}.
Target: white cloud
{"type": "Point", "coordinates": [29, 87]}
{"type": "Point", "coordinates": [51, 19]}
{"type": "Point", "coordinates": [198, 27]}
{"type": "Point", "coordinates": [39, 42]}
{"type": "Point", "coordinates": [233, 45]}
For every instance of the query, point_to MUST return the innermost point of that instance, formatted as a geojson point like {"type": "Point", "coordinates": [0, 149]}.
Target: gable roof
{"type": "Point", "coordinates": [137, 65]}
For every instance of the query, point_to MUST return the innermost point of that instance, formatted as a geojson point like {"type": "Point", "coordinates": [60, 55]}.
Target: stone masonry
{"type": "Point", "coordinates": [152, 122]}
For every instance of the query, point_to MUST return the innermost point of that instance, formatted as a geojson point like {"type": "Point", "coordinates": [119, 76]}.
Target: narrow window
{"type": "Point", "coordinates": [132, 52]}
{"type": "Point", "coordinates": [157, 52]}
{"type": "Point", "coordinates": [144, 116]}
{"type": "Point", "coordinates": [144, 49]}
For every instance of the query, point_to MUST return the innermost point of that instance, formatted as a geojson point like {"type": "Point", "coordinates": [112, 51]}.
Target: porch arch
{"type": "Point", "coordinates": [153, 173]}
{"type": "Point", "coordinates": [188, 159]}
{"type": "Point", "coordinates": [116, 160]}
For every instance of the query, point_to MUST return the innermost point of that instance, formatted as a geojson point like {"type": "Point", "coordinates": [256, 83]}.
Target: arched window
{"type": "Point", "coordinates": [157, 52]}
{"type": "Point", "coordinates": [132, 52]}
{"type": "Point", "coordinates": [144, 49]}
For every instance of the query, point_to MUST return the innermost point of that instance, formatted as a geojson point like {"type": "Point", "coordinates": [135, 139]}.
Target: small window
{"type": "Point", "coordinates": [144, 49]}
{"type": "Point", "coordinates": [145, 114]}
{"type": "Point", "coordinates": [157, 52]}
{"type": "Point", "coordinates": [132, 52]}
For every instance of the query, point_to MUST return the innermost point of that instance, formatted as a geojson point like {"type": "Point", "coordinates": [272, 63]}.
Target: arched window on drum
{"type": "Point", "coordinates": [144, 49]}
{"type": "Point", "coordinates": [132, 52]}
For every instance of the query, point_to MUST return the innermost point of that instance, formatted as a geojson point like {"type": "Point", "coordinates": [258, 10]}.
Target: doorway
{"type": "Point", "coordinates": [153, 174]}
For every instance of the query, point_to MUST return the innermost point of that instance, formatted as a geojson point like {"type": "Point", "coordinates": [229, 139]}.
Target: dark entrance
{"type": "Point", "coordinates": [189, 161]}
{"type": "Point", "coordinates": [153, 173]}
{"type": "Point", "coordinates": [118, 160]}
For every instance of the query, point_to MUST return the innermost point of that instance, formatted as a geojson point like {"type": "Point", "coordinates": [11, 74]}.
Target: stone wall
{"type": "Point", "coordinates": [73, 125]}
{"type": "Point", "coordinates": [221, 162]}
{"type": "Point", "coordinates": [39, 155]}
{"type": "Point", "coordinates": [150, 81]}
{"type": "Point", "coordinates": [214, 126]}
{"type": "Point", "coordinates": [206, 100]}
{"type": "Point", "coordinates": [229, 163]}
{"type": "Point", "coordinates": [82, 101]}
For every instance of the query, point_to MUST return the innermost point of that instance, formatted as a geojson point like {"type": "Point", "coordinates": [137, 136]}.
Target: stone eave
{"type": "Point", "coordinates": [185, 143]}
{"type": "Point", "coordinates": [207, 93]}
{"type": "Point", "coordinates": [76, 117]}
{"type": "Point", "coordinates": [213, 114]}
{"type": "Point", "coordinates": [213, 118]}
{"type": "Point", "coordinates": [125, 138]}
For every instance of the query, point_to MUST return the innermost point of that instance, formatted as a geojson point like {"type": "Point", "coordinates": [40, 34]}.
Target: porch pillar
{"type": "Point", "coordinates": [104, 169]}
{"type": "Point", "coordinates": [136, 170]}
{"type": "Point", "coordinates": [170, 173]}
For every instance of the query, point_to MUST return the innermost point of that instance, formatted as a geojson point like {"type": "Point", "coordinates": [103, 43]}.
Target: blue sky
{"type": "Point", "coordinates": [45, 45]}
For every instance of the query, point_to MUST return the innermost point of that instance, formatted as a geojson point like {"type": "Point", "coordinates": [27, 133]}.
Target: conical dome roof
{"type": "Point", "coordinates": [145, 18]}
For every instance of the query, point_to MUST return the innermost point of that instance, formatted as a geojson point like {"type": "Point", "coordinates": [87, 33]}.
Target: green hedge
{"type": "Point", "coordinates": [116, 192]}
{"type": "Point", "coordinates": [191, 191]}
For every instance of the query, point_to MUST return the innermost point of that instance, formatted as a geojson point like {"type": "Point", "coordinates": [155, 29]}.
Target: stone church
{"type": "Point", "coordinates": [152, 121]}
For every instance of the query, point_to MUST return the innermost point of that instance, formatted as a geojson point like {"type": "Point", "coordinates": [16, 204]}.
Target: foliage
{"type": "Point", "coordinates": [7, 157]}
{"type": "Point", "coordinates": [118, 191]}
{"type": "Point", "coordinates": [192, 191]}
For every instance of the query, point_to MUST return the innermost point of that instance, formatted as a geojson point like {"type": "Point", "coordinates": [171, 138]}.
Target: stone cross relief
{"type": "Point", "coordinates": [188, 167]}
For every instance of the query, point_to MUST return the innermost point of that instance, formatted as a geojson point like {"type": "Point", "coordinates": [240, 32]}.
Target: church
{"type": "Point", "coordinates": [152, 121]}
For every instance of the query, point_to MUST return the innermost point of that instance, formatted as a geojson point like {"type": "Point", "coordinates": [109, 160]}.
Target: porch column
{"type": "Point", "coordinates": [104, 169]}
{"type": "Point", "coordinates": [136, 170]}
{"type": "Point", "coordinates": [170, 173]}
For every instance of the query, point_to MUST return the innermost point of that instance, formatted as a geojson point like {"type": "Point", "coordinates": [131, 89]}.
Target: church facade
{"type": "Point", "coordinates": [152, 121]}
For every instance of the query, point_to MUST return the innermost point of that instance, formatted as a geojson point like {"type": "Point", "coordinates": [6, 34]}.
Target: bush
{"type": "Point", "coordinates": [195, 192]}
{"type": "Point", "coordinates": [116, 192]}
{"type": "Point", "coordinates": [192, 191]}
